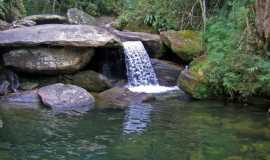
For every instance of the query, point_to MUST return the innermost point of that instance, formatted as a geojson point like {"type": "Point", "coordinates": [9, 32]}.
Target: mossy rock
{"type": "Point", "coordinates": [186, 44]}
{"type": "Point", "coordinates": [89, 80]}
{"type": "Point", "coordinates": [193, 81]}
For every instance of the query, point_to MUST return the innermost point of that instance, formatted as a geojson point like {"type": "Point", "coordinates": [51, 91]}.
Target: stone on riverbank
{"type": "Point", "coordinates": [185, 44]}
{"type": "Point", "coordinates": [61, 97]}
{"type": "Point", "coordinates": [46, 19]}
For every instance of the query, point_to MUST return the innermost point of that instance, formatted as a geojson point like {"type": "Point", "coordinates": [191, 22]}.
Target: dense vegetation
{"type": "Point", "coordinates": [236, 61]}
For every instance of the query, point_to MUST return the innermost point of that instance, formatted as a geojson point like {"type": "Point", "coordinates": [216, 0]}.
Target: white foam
{"type": "Point", "coordinates": [152, 89]}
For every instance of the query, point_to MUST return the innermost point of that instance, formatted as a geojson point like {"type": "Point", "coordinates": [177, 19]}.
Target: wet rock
{"type": "Point", "coordinates": [151, 42]}
{"type": "Point", "coordinates": [21, 97]}
{"type": "Point", "coordinates": [59, 35]}
{"type": "Point", "coordinates": [46, 19]}
{"type": "Point", "coordinates": [76, 16]}
{"type": "Point", "coordinates": [193, 81]}
{"type": "Point", "coordinates": [62, 97]}
{"type": "Point", "coordinates": [120, 98]}
{"type": "Point", "coordinates": [48, 60]}
{"type": "Point", "coordinates": [9, 81]}
{"type": "Point", "coordinates": [166, 71]}
{"type": "Point", "coordinates": [185, 44]}
{"type": "Point", "coordinates": [89, 80]}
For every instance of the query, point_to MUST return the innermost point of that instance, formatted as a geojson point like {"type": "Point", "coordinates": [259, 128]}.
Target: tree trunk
{"type": "Point", "coordinates": [263, 18]}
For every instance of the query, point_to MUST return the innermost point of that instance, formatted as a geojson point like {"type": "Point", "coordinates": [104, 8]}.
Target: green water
{"type": "Point", "coordinates": [171, 130]}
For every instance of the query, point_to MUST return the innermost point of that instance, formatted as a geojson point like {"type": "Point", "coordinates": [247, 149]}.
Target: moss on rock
{"type": "Point", "coordinates": [186, 44]}
{"type": "Point", "coordinates": [193, 81]}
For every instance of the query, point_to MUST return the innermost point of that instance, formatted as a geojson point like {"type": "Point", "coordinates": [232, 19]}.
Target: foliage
{"type": "Point", "coordinates": [92, 7]}
{"type": "Point", "coordinates": [235, 66]}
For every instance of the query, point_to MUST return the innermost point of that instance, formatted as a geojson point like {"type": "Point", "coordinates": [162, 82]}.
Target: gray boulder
{"type": "Point", "coordinates": [62, 97]}
{"type": "Point", "coordinates": [76, 16]}
{"type": "Point", "coordinates": [46, 19]}
{"type": "Point", "coordinates": [48, 60]}
{"type": "Point", "coordinates": [22, 23]}
{"type": "Point", "coordinates": [4, 25]}
{"type": "Point", "coordinates": [167, 72]}
{"type": "Point", "coordinates": [59, 35]}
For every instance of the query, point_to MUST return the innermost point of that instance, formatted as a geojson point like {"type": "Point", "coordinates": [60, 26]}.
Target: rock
{"type": "Point", "coordinates": [49, 61]}
{"type": "Point", "coordinates": [89, 80]}
{"type": "Point", "coordinates": [4, 87]}
{"type": "Point", "coordinates": [23, 23]}
{"type": "Point", "coordinates": [29, 85]}
{"type": "Point", "coordinates": [62, 97]}
{"type": "Point", "coordinates": [46, 19]}
{"type": "Point", "coordinates": [193, 81]}
{"type": "Point", "coordinates": [167, 72]}
{"type": "Point", "coordinates": [59, 35]}
{"type": "Point", "coordinates": [76, 16]}
{"type": "Point", "coordinates": [185, 44]}
{"type": "Point", "coordinates": [4, 25]}
{"type": "Point", "coordinates": [120, 98]}
{"type": "Point", "coordinates": [21, 97]}
{"type": "Point", "coordinates": [151, 42]}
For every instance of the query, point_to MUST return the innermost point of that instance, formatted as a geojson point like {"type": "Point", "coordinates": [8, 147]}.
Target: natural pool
{"type": "Point", "coordinates": [169, 130]}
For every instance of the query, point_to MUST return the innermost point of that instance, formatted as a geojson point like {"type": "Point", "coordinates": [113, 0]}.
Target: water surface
{"type": "Point", "coordinates": [171, 130]}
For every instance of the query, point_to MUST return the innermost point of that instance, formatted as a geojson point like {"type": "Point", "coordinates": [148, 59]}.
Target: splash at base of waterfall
{"type": "Point", "coordinates": [152, 89]}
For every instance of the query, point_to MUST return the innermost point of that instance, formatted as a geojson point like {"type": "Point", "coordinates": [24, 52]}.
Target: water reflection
{"type": "Point", "coordinates": [137, 118]}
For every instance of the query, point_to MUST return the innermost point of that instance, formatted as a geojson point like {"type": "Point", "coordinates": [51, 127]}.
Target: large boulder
{"type": "Point", "coordinates": [62, 97]}
{"type": "Point", "coordinates": [151, 42]}
{"type": "Point", "coordinates": [193, 80]}
{"type": "Point", "coordinates": [76, 16]}
{"type": "Point", "coordinates": [48, 60]}
{"type": "Point", "coordinates": [46, 19]}
{"type": "Point", "coordinates": [89, 80]}
{"type": "Point", "coordinates": [185, 44]}
{"type": "Point", "coordinates": [167, 72]}
{"type": "Point", "coordinates": [59, 35]}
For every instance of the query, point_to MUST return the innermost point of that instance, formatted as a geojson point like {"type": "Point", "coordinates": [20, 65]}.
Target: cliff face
{"type": "Point", "coordinates": [263, 18]}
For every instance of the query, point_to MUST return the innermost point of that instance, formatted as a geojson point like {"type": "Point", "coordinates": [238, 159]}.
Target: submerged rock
{"type": "Point", "coordinates": [120, 98]}
{"type": "Point", "coordinates": [76, 16]}
{"type": "Point", "coordinates": [167, 72]}
{"type": "Point", "coordinates": [48, 60]}
{"type": "Point", "coordinates": [152, 42]}
{"type": "Point", "coordinates": [46, 19]}
{"type": "Point", "coordinates": [59, 35]}
{"type": "Point", "coordinates": [185, 44]}
{"type": "Point", "coordinates": [89, 80]}
{"type": "Point", "coordinates": [62, 97]}
{"type": "Point", "coordinates": [23, 23]}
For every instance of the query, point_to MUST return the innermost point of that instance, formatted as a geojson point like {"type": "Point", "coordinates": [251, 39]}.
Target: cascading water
{"type": "Point", "coordinates": [140, 72]}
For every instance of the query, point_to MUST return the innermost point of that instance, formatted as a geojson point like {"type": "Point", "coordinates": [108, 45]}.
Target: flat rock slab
{"type": "Point", "coordinates": [47, 19]}
{"type": "Point", "coordinates": [63, 98]}
{"type": "Point", "coordinates": [59, 35]}
{"type": "Point", "coordinates": [152, 42]}
{"type": "Point", "coordinates": [48, 61]}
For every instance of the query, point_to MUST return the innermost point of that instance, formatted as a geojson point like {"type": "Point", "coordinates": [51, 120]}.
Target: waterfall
{"type": "Point", "coordinates": [140, 72]}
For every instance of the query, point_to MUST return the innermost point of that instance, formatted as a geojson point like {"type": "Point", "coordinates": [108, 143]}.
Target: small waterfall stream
{"type": "Point", "coordinates": [140, 72]}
